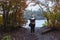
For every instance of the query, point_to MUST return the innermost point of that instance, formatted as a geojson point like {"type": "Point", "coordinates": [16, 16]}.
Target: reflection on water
{"type": "Point", "coordinates": [38, 23]}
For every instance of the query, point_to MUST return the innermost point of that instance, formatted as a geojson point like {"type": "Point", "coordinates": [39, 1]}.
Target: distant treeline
{"type": "Point", "coordinates": [38, 14]}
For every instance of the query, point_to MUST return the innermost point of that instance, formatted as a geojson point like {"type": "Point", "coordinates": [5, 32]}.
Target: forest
{"type": "Point", "coordinates": [12, 14]}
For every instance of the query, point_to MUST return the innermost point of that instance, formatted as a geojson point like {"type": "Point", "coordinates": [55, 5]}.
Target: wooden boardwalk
{"type": "Point", "coordinates": [24, 34]}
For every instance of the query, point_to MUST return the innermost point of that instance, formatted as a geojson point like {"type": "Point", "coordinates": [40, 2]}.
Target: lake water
{"type": "Point", "coordinates": [39, 23]}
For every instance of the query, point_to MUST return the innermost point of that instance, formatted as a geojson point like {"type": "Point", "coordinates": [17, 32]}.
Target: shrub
{"type": "Point", "coordinates": [45, 24]}
{"type": "Point", "coordinates": [8, 37]}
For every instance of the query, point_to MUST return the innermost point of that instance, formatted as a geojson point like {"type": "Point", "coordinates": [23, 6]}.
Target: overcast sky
{"type": "Point", "coordinates": [36, 7]}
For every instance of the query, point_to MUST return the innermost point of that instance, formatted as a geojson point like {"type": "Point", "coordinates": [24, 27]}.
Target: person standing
{"type": "Point", "coordinates": [32, 23]}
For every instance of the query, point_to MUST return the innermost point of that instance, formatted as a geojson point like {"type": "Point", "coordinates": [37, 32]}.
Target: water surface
{"type": "Point", "coordinates": [39, 23]}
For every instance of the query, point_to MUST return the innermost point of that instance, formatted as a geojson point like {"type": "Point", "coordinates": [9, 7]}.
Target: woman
{"type": "Point", "coordinates": [32, 23]}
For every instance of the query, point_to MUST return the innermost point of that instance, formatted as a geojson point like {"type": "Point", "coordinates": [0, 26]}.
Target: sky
{"type": "Point", "coordinates": [33, 8]}
{"type": "Point", "coordinates": [30, 7]}
{"type": "Point", "coordinates": [36, 7]}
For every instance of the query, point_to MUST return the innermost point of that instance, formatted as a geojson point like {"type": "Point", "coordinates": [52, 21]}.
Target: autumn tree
{"type": "Point", "coordinates": [51, 13]}
{"type": "Point", "coordinates": [13, 12]}
{"type": "Point", "coordinates": [19, 7]}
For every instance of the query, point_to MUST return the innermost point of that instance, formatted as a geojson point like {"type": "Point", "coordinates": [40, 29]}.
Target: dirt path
{"type": "Point", "coordinates": [24, 34]}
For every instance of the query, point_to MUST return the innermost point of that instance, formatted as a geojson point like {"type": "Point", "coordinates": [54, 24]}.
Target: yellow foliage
{"type": "Point", "coordinates": [1, 20]}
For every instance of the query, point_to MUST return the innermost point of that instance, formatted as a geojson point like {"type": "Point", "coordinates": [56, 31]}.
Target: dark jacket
{"type": "Point", "coordinates": [32, 22]}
